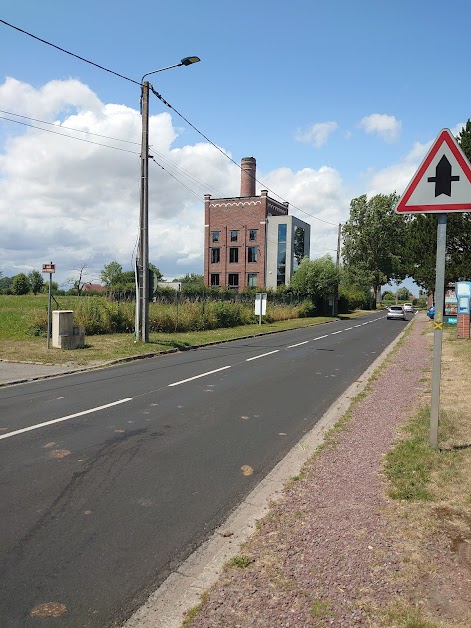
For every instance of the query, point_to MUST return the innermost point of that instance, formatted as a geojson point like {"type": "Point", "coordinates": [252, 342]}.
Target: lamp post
{"type": "Point", "coordinates": [142, 298]}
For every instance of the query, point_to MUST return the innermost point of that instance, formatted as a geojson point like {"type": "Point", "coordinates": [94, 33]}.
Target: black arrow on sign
{"type": "Point", "coordinates": [443, 177]}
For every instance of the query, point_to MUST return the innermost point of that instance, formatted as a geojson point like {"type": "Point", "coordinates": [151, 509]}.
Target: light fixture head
{"type": "Point", "coordinates": [190, 60]}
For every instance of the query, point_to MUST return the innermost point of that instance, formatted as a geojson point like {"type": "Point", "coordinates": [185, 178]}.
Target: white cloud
{"type": "Point", "coordinates": [396, 178]}
{"type": "Point", "coordinates": [74, 203]}
{"type": "Point", "coordinates": [318, 198]}
{"type": "Point", "coordinates": [317, 134]}
{"type": "Point", "coordinates": [385, 126]}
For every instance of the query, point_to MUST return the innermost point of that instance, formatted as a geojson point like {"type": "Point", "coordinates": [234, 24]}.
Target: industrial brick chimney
{"type": "Point", "coordinates": [248, 167]}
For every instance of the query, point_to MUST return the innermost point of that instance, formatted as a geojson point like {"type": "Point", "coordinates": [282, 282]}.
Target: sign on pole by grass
{"type": "Point", "coordinates": [49, 268]}
{"type": "Point", "coordinates": [442, 184]}
{"type": "Point", "coordinates": [260, 305]}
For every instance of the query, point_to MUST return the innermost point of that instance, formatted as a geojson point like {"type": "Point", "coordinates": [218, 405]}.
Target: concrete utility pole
{"type": "Point", "coordinates": [142, 293]}
{"type": "Point", "coordinates": [144, 219]}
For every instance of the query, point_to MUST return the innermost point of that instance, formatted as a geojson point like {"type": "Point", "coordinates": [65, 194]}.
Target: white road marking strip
{"type": "Point", "coordinates": [261, 356]}
{"type": "Point", "coordinates": [298, 344]}
{"type": "Point", "coordinates": [337, 332]}
{"type": "Point", "coordinates": [358, 325]}
{"type": "Point", "coordinates": [320, 337]}
{"type": "Point", "coordinates": [183, 381]}
{"type": "Point", "coordinates": [348, 329]}
{"type": "Point", "coordinates": [64, 418]}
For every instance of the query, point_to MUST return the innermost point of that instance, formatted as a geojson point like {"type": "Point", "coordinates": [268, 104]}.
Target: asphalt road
{"type": "Point", "coordinates": [111, 478]}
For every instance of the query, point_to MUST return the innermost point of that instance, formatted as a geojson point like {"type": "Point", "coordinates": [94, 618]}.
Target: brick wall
{"type": "Point", "coordinates": [463, 326]}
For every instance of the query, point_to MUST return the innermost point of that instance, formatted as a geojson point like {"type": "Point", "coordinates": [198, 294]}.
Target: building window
{"type": "Point", "coordinates": [298, 247]}
{"type": "Point", "coordinates": [252, 280]}
{"type": "Point", "coordinates": [252, 254]}
{"type": "Point", "coordinates": [234, 236]}
{"type": "Point", "coordinates": [281, 261]}
{"type": "Point", "coordinates": [233, 255]}
{"type": "Point", "coordinates": [253, 235]}
{"type": "Point", "coordinates": [215, 279]}
{"type": "Point", "coordinates": [233, 280]}
{"type": "Point", "coordinates": [215, 235]}
{"type": "Point", "coordinates": [215, 255]}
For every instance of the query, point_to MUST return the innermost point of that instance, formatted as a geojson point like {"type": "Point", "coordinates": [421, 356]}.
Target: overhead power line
{"type": "Point", "coordinates": [72, 54]}
{"type": "Point", "coordinates": [162, 99]}
{"type": "Point", "coordinates": [69, 128]}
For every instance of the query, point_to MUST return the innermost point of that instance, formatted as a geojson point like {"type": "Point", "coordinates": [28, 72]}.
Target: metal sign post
{"type": "Point", "coordinates": [438, 328]}
{"type": "Point", "coordinates": [49, 268]}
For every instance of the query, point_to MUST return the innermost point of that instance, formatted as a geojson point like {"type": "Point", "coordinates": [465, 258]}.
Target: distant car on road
{"type": "Point", "coordinates": [408, 307]}
{"type": "Point", "coordinates": [396, 312]}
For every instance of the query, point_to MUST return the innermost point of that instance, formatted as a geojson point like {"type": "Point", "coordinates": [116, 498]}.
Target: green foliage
{"type": "Point", "coordinates": [20, 284]}
{"type": "Point", "coordinates": [36, 281]}
{"type": "Point", "coordinates": [321, 609]}
{"type": "Point", "coordinates": [306, 309]}
{"type": "Point", "coordinates": [111, 274]}
{"type": "Point", "coordinates": [191, 282]}
{"type": "Point", "coordinates": [156, 271]}
{"type": "Point", "coordinates": [241, 561]}
{"type": "Point", "coordinates": [6, 285]}
{"type": "Point", "coordinates": [100, 316]}
{"type": "Point", "coordinates": [421, 248]}
{"type": "Point", "coordinates": [410, 463]}
{"type": "Point", "coordinates": [464, 139]}
{"type": "Point", "coordinates": [388, 295]}
{"type": "Point", "coordinates": [403, 294]}
{"type": "Point", "coordinates": [373, 241]}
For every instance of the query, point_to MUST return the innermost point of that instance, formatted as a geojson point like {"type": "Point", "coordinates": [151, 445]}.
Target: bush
{"type": "Point", "coordinates": [306, 309]}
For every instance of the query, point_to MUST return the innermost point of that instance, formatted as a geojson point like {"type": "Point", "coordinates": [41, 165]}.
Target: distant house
{"type": "Point", "coordinates": [93, 287]}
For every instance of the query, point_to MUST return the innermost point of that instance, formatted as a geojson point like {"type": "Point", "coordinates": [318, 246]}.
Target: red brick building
{"type": "Point", "coordinates": [237, 251]}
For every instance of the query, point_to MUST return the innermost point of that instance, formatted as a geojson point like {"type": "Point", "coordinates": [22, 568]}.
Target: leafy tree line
{"type": "Point", "coordinates": [380, 246]}
{"type": "Point", "coordinates": [22, 283]}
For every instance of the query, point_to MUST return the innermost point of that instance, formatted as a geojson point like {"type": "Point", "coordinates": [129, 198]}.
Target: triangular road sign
{"type": "Point", "coordinates": [443, 181]}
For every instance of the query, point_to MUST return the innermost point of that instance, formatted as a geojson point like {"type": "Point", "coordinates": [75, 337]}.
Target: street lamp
{"type": "Point", "coordinates": [142, 296]}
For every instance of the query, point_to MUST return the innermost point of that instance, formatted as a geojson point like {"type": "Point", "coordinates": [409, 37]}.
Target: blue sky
{"type": "Point", "coordinates": [333, 99]}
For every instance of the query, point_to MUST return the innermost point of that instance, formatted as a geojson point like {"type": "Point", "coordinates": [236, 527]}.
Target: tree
{"type": "Point", "coordinates": [317, 278]}
{"type": "Point", "coordinates": [20, 284]}
{"type": "Point", "coordinates": [388, 295]}
{"type": "Point", "coordinates": [6, 284]}
{"type": "Point", "coordinates": [373, 241]}
{"type": "Point", "coordinates": [78, 279]}
{"type": "Point", "coordinates": [111, 274]}
{"type": "Point", "coordinates": [464, 139]}
{"type": "Point", "coordinates": [421, 249]}
{"type": "Point", "coordinates": [36, 281]}
{"type": "Point", "coordinates": [157, 274]}
{"type": "Point", "coordinates": [403, 294]}
{"type": "Point", "coordinates": [191, 282]}
{"type": "Point", "coordinates": [459, 226]}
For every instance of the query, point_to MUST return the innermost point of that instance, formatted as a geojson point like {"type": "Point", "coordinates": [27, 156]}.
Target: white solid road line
{"type": "Point", "coordinates": [297, 344]}
{"type": "Point", "coordinates": [261, 356]}
{"type": "Point", "coordinates": [64, 418]}
{"type": "Point", "coordinates": [183, 381]}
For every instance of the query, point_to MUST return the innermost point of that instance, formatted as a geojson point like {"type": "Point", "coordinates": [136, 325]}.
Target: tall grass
{"type": "Point", "coordinates": [27, 316]}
